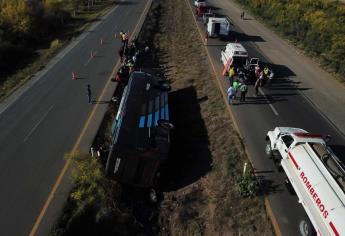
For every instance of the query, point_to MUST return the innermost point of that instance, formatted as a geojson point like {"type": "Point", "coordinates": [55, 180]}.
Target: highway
{"type": "Point", "coordinates": [50, 116]}
{"type": "Point", "coordinates": [300, 97]}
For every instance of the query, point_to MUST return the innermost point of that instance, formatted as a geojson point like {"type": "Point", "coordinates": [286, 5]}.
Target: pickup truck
{"type": "Point", "coordinates": [317, 176]}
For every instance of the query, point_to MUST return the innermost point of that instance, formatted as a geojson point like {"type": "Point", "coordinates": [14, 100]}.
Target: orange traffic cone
{"type": "Point", "coordinates": [74, 76]}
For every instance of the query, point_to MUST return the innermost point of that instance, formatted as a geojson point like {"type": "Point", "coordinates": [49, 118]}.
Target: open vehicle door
{"type": "Point", "coordinates": [253, 63]}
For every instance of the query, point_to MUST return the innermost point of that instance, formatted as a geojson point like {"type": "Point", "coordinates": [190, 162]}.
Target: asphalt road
{"type": "Point", "coordinates": [43, 124]}
{"type": "Point", "coordinates": [292, 100]}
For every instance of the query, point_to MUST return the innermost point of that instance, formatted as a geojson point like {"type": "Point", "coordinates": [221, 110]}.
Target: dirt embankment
{"type": "Point", "coordinates": [198, 187]}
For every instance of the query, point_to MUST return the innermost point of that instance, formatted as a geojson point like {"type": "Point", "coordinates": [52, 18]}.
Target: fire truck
{"type": "Point", "coordinates": [317, 176]}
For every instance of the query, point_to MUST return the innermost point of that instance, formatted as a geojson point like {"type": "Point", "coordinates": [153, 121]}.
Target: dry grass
{"type": "Point", "coordinates": [207, 205]}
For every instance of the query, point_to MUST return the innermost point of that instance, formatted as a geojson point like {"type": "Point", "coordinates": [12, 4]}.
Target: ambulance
{"type": "Point", "coordinates": [234, 54]}
{"type": "Point", "coordinates": [316, 174]}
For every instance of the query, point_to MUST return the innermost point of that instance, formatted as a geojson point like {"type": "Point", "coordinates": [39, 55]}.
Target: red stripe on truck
{"type": "Point", "coordinates": [334, 229]}
{"type": "Point", "coordinates": [307, 135]}
{"type": "Point", "coordinates": [293, 161]}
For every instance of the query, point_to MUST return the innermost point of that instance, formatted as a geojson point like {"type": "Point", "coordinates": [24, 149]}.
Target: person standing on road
{"type": "Point", "coordinates": [126, 38]}
{"type": "Point", "coordinates": [231, 75]}
{"type": "Point", "coordinates": [89, 93]}
{"type": "Point", "coordinates": [242, 15]}
{"type": "Point", "coordinates": [243, 90]}
{"type": "Point", "coordinates": [270, 77]}
{"type": "Point", "coordinates": [257, 72]}
{"type": "Point", "coordinates": [121, 36]}
{"type": "Point", "coordinates": [121, 52]}
{"type": "Point", "coordinates": [231, 95]}
{"type": "Point", "coordinates": [236, 85]}
{"type": "Point", "coordinates": [241, 76]}
{"type": "Point", "coordinates": [206, 37]}
{"type": "Point", "coordinates": [259, 83]}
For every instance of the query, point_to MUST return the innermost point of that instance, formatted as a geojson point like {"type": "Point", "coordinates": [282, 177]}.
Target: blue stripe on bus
{"type": "Point", "coordinates": [156, 117]}
{"type": "Point", "coordinates": [142, 122]}
{"type": "Point", "coordinates": [166, 112]}
{"type": "Point", "coordinates": [149, 120]}
{"type": "Point", "coordinates": [162, 113]}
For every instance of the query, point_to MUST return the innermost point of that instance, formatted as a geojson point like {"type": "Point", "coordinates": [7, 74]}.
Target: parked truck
{"type": "Point", "coordinates": [317, 176]}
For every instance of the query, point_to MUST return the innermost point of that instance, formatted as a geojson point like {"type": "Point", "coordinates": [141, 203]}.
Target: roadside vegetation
{"type": "Point", "coordinates": [92, 207]}
{"type": "Point", "coordinates": [31, 32]}
{"type": "Point", "coordinates": [318, 26]}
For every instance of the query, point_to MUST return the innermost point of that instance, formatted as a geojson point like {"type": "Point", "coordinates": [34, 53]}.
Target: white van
{"type": "Point", "coordinates": [218, 26]}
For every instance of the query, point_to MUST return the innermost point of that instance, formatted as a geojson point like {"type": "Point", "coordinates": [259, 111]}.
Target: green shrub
{"type": "Point", "coordinates": [92, 207]}
{"type": "Point", "coordinates": [247, 185]}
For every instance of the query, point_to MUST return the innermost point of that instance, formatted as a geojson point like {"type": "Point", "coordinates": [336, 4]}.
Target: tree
{"type": "Point", "coordinates": [15, 17]}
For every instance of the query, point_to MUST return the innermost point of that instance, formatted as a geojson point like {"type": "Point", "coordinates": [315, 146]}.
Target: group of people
{"type": "Point", "coordinates": [129, 53]}
{"type": "Point", "coordinates": [236, 84]}
{"type": "Point", "coordinates": [240, 83]}
{"type": "Point", "coordinates": [262, 77]}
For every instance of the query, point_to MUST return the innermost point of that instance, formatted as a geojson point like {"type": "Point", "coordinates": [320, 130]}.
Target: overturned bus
{"type": "Point", "coordinates": [140, 131]}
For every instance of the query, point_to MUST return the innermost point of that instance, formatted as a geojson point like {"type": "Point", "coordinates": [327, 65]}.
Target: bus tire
{"type": "Point", "coordinates": [165, 124]}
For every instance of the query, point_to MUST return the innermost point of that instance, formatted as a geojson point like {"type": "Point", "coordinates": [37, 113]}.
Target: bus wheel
{"type": "Point", "coordinates": [165, 124]}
